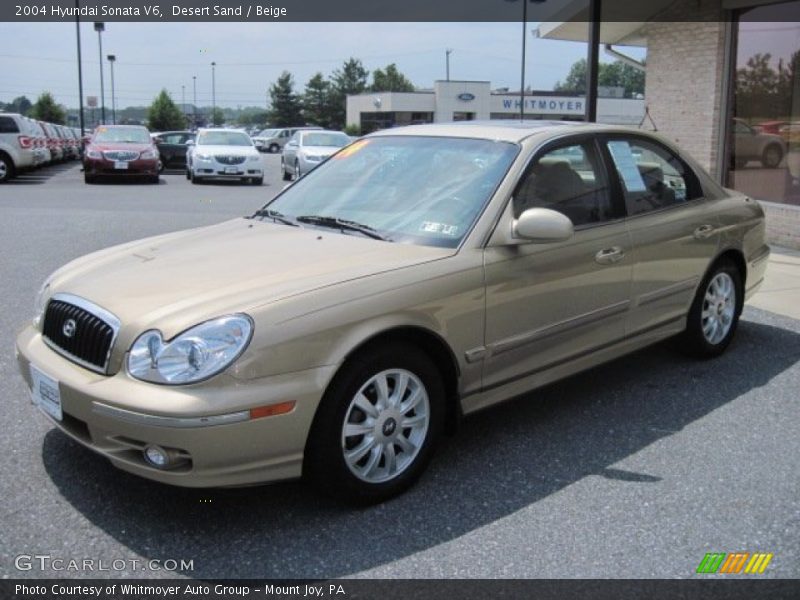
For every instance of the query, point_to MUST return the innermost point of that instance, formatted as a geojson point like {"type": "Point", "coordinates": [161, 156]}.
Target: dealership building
{"type": "Point", "coordinates": [475, 100]}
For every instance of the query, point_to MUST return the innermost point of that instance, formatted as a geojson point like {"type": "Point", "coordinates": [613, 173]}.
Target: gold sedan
{"type": "Point", "coordinates": [417, 275]}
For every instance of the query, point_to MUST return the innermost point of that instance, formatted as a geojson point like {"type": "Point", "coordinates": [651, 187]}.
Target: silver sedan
{"type": "Point", "coordinates": [307, 149]}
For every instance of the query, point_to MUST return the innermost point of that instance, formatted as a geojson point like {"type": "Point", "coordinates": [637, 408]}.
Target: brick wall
{"type": "Point", "coordinates": [684, 84]}
{"type": "Point", "coordinates": [783, 224]}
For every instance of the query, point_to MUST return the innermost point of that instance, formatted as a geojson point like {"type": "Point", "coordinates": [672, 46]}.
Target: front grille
{"type": "Point", "coordinates": [227, 159]}
{"type": "Point", "coordinates": [121, 155]}
{"type": "Point", "coordinates": [79, 330]}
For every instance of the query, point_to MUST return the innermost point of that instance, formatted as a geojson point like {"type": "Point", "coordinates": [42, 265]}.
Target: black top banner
{"type": "Point", "coordinates": [369, 10]}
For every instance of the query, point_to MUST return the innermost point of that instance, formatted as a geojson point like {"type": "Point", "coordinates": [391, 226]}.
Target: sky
{"type": "Point", "coordinates": [37, 57]}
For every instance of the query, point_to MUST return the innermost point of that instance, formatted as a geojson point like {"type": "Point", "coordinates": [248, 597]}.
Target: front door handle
{"type": "Point", "coordinates": [609, 256]}
{"type": "Point", "coordinates": [703, 232]}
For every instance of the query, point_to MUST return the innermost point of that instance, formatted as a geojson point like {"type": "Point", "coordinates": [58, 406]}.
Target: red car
{"type": "Point", "coordinates": [121, 151]}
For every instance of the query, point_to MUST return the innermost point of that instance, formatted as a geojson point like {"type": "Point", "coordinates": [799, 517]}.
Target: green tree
{"type": "Point", "coordinates": [390, 80]}
{"type": "Point", "coordinates": [317, 109]}
{"type": "Point", "coordinates": [286, 106]}
{"type": "Point", "coordinates": [616, 74]}
{"type": "Point", "coordinates": [349, 80]}
{"type": "Point", "coordinates": [217, 116]}
{"type": "Point", "coordinates": [46, 109]}
{"type": "Point", "coordinates": [20, 105]}
{"type": "Point", "coordinates": [164, 114]}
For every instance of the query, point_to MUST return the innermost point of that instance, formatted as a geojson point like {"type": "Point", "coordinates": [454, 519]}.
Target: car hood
{"type": "Point", "coordinates": [227, 150]}
{"type": "Point", "coordinates": [173, 281]}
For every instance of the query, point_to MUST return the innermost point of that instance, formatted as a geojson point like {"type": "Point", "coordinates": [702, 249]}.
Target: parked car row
{"type": "Point", "coordinates": [26, 143]}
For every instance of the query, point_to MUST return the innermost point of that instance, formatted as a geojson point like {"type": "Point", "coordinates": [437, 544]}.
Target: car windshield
{"type": "Point", "coordinates": [122, 135]}
{"type": "Point", "coordinates": [408, 189]}
{"type": "Point", "coordinates": [266, 133]}
{"type": "Point", "coordinates": [223, 138]}
{"type": "Point", "coordinates": [335, 140]}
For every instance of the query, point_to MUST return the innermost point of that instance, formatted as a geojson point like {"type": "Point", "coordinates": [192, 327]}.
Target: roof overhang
{"type": "Point", "coordinates": [621, 24]}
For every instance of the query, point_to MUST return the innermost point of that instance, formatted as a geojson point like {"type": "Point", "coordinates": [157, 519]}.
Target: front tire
{"type": "Point", "coordinates": [377, 425]}
{"type": "Point", "coordinates": [286, 176]}
{"type": "Point", "coordinates": [715, 312]}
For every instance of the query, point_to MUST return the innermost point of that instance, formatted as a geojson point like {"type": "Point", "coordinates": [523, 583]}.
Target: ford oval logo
{"type": "Point", "coordinates": [69, 328]}
{"type": "Point", "coordinates": [466, 97]}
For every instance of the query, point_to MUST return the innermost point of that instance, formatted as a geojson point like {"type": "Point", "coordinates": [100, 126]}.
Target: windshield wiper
{"type": "Point", "coordinates": [275, 216]}
{"type": "Point", "coordinates": [342, 225]}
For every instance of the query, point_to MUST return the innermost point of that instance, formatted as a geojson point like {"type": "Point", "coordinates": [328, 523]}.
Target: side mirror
{"type": "Point", "coordinates": [543, 226]}
{"type": "Point", "coordinates": [190, 142]}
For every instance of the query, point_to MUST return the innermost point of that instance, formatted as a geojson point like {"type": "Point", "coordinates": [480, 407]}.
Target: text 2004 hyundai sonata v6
{"type": "Point", "coordinates": [419, 274]}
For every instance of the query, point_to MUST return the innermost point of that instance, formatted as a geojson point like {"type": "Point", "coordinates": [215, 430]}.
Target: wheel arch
{"type": "Point", "coordinates": [433, 345]}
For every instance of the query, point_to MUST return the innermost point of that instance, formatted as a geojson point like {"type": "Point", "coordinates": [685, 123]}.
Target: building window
{"type": "Point", "coordinates": [764, 134]}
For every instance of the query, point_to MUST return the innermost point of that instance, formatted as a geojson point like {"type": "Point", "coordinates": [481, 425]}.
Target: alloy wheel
{"type": "Point", "coordinates": [385, 425]}
{"type": "Point", "coordinates": [719, 307]}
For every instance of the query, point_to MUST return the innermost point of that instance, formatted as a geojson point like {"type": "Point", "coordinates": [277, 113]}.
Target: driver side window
{"type": "Point", "coordinates": [570, 180]}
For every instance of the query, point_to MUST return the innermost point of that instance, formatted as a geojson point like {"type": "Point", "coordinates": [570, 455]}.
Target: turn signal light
{"type": "Point", "coordinates": [272, 410]}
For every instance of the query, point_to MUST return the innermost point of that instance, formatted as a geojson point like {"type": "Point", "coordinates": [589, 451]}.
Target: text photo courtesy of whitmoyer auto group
{"type": "Point", "coordinates": [310, 299]}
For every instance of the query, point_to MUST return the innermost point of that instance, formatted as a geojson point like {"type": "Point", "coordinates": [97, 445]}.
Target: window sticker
{"type": "Point", "coordinates": [443, 228]}
{"type": "Point", "coordinates": [351, 149]}
{"type": "Point", "coordinates": [626, 165]}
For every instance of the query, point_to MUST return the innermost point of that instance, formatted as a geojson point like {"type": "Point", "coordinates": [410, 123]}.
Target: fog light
{"type": "Point", "coordinates": [156, 456]}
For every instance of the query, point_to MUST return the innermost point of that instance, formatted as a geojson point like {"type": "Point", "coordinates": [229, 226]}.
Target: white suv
{"type": "Point", "coordinates": [17, 151]}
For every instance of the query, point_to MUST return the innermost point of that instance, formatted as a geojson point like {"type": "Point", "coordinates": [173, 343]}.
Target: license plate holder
{"type": "Point", "coordinates": [120, 164]}
{"type": "Point", "coordinates": [232, 170]}
{"type": "Point", "coordinates": [45, 394]}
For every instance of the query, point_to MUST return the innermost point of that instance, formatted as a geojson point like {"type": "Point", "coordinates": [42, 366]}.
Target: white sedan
{"type": "Point", "coordinates": [307, 149]}
{"type": "Point", "coordinates": [224, 154]}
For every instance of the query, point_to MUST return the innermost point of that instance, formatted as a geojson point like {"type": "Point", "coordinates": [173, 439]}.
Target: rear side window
{"type": "Point", "coordinates": [652, 177]}
{"type": "Point", "coordinates": [8, 125]}
{"type": "Point", "coordinates": [570, 180]}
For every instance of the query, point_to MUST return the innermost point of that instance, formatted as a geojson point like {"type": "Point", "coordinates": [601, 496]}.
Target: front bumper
{"type": "Point", "coordinates": [116, 416]}
{"type": "Point", "coordinates": [135, 168]}
{"type": "Point", "coordinates": [213, 168]}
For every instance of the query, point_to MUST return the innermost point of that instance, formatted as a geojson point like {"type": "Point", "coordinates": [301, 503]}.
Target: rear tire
{"type": "Point", "coordinates": [6, 168]}
{"type": "Point", "coordinates": [273, 148]}
{"type": "Point", "coordinates": [772, 156]}
{"type": "Point", "coordinates": [714, 314]}
{"type": "Point", "coordinates": [377, 425]}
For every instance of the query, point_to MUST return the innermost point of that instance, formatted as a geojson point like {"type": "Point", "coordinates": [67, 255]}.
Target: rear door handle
{"type": "Point", "coordinates": [703, 232]}
{"type": "Point", "coordinates": [609, 256]}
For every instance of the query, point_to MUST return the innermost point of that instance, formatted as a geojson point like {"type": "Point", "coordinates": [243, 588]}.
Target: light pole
{"type": "Point", "coordinates": [100, 27]}
{"type": "Point", "coordinates": [522, 69]}
{"type": "Point", "coordinates": [213, 95]}
{"type": "Point", "coordinates": [111, 59]}
{"type": "Point", "coordinates": [447, 53]}
{"type": "Point", "coordinates": [80, 70]}
{"type": "Point", "coordinates": [183, 100]}
{"type": "Point", "coordinates": [194, 100]}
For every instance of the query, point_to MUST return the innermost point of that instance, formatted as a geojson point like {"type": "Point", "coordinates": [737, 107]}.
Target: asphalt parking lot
{"type": "Point", "coordinates": [634, 469]}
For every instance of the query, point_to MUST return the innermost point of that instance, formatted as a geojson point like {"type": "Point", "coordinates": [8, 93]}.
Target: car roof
{"type": "Point", "coordinates": [510, 130]}
{"type": "Point", "coordinates": [228, 129]}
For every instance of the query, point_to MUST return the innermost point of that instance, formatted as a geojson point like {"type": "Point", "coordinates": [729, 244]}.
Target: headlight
{"type": "Point", "coordinates": [196, 354]}
{"type": "Point", "coordinates": [201, 156]}
{"type": "Point", "coordinates": [149, 154]}
{"type": "Point", "coordinates": [94, 154]}
{"type": "Point", "coordinates": [312, 157]}
{"type": "Point", "coordinates": [40, 303]}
